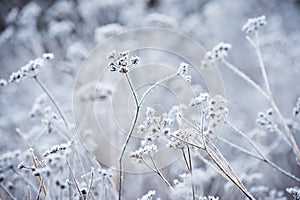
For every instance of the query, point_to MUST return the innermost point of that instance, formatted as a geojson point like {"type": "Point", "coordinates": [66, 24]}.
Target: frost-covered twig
{"type": "Point", "coordinates": [261, 156]}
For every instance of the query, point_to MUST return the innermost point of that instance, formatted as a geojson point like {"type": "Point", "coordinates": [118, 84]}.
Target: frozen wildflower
{"type": "Point", "coordinates": [218, 53]}
{"type": "Point", "coordinates": [57, 148]}
{"type": "Point", "coordinates": [148, 196]}
{"type": "Point", "coordinates": [100, 92]}
{"type": "Point", "coordinates": [209, 198]}
{"type": "Point", "coordinates": [295, 192]}
{"type": "Point", "coordinates": [105, 172]}
{"type": "Point", "coordinates": [217, 113]}
{"type": "Point", "coordinates": [183, 72]}
{"type": "Point", "coordinates": [253, 24]}
{"type": "Point", "coordinates": [180, 137]}
{"type": "Point", "coordinates": [147, 150]}
{"type": "Point", "coordinates": [296, 109]}
{"type": "Point", "coordinates": [202, 98]}
{"type": "Point", "coordinates": [3, 82]}
{"type": "Point", "coordinates": [264, 119]}
{"type": "Point", "coordinates": [153, 125]}
{"type": "Point", "coordinates": [119, 61]}
{"type": "Point", "coordinates": [31, 69]}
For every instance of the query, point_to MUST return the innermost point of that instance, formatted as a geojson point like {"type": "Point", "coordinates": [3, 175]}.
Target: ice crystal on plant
{"type": "Point", "coordinates": [180, 137]}
{"type": "Point", "coordinates": [296, 109]}
{"type": "Point", "coordinates": [264, 119]}
{"type": "Point", "coordinates": [202, 98]}
{"type": "Point", "coordinates": [148, 196]}
{"type": "Point", "coordinates": [57, 148]}
{"type": "Point", "coordinates": [218, 53]}
{"type": "Point", "coordinates": [147, 150]}
{"type": "Point", "coordinates": [253, 24]}
{"type": "Point", "coordinates": [119, 61]}
{"type": "Point", "coordinates": [183, 72]}
{"type": "Point", "coordinates": [295, 192]}
{"type": "Point", "coordinates": [3, 82]}
{"type": "Point", "coordinates": [31, 69]}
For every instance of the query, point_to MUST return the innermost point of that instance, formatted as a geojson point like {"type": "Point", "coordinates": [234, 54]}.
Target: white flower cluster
{"type": "Point", "coordinates": [183, 72]}
{"type": "Point", "coordinates": [199, 100]}
{"type": "Point", "coordinates": [120, 61]}
{"type": "Point", "coordinates": [31, 69]}
{"type": "Point", "coordinates": [153, 125]}
{"type": "Point", "coordinates": [264, 119]}
{"type": "Point", "coordinates": [218, 53]}
{"type": "Point", "coordinates": [295, 192]}
{"type": "Point", "coordinates": [148, 196]}
{"type": "Point", "coordinates": [57, 148]}
{"type": "Point", "coordinates": [217, 113]}
{"type": "Point", "coordinates": [147, 150]}
{"type": "Point", "coordinates": [180, 138]}
{"type": "Point", "coordinates": [253, 24]}
{"type": "Point", "coordinates": [296, 109]}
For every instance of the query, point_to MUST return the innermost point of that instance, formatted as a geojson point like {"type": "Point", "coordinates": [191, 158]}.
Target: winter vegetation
{"type": "Point", "coordinates": [204, 105]}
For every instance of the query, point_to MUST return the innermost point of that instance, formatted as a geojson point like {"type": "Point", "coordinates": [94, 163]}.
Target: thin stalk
{"type": "Point", "coordinates": [138, 106]}
{"type": "Point", "coordinates": [191, 171]}
{"type": "Point", "coordinates": [256, 46]}
{"type": "Point", "coordinates": [160, 174]}
{"type": "Point", "coordinates": [52, 99]}
{"type": "Point", "coordinates": [246, 78]}
{"type": "Point", "coordinates": [75, 181]}
{"type": "Point", "coordinates": [90, 185]}
{"type": "Point", "coordinates": [156, 84]}
{"type": "Point", "coordinates": [7, 192]}
{"type": "Point", "coordinates": [128, 136]}
{"type": "Point", "coordinates": [40, 177]}
{"type": "Point", "coordinates": [262, 64]}
{"type": "Point", "coordinates": [263, 158]}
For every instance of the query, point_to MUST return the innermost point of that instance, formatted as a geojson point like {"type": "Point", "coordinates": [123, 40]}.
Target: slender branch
{"type": "Point", "coordinates": [160, 174]}
{"type": "Point", "coordinates": [52, 99]}
{"type": "Point", "coordinates": [128, 136]}
{"type": "Point", "coordinates": [138, 106]}
{"type": "Point", "coordinates": [7, 192]}
{"type": "Point", "coordinates": [271, 99]}
{"type": "Point", "coordinates": [261, 156]}
{"type": "Point", "coordinates": [246, 78]}
{"type": "Point", "coordinates": [262, 64]}
{"type": "Point", "coordinates": [75, 181]}
{"type": "Point", "coordinates": [154, 85]}
{"type": "Point", "coordinates": [40, 177]}
{"type": "Point", "coordinates": [191, 171]}
{"type": "Point", "coordinates": [90, 185]}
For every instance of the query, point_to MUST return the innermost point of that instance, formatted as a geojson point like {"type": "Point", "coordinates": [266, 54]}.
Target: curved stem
{"type": "Point", "coordinates": [52, 99]}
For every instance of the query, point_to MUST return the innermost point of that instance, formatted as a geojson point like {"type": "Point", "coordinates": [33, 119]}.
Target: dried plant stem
{"type": "Point", "coordinates": [52, 99]}
{"type": "Point", "coordinates": [217, 157]}
{"type": "Point", "coordinates": [90, 186]}
{"type": "Point", "coordinates": [40, 190]}
{"type": "Point", "coordinates": [261, 157]}
{"type": "Point", "coordinates": [191, 170]}
{"type": "Point", "coordinates": [75, 181]}
{"type": "Point", "coordinates": [268, 96]}
{"type": "Point", "coordinates": [40, 177]}
{"type": "Point", "coordinates": [138, 105]}
{"type": "Point", "coordinates": [7, 192]}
